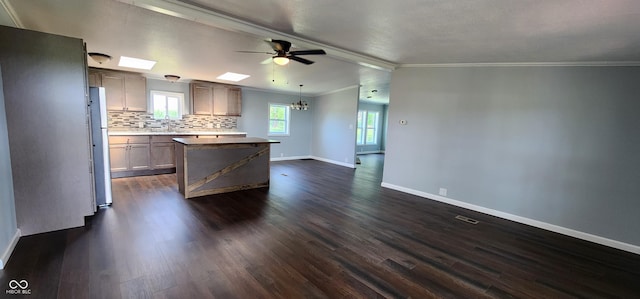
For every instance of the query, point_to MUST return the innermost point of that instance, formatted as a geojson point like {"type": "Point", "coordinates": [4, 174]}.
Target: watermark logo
{"type": "Point", "coordinates": [18, 287]}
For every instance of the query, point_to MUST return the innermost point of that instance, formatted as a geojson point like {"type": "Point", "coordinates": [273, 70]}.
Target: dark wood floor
{"type": "Point", "coordinates": [319, 231]}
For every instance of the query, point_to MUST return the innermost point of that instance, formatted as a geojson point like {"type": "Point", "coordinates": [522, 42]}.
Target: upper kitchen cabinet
{"type": "Point", "coordinates": [227, 100]}
{"type": "Point", "coordinates": [201, 98]}
{"type": "Point", "coordinates": [124, 91]}
{"type": "Point", "coordinates": [94, 79]}
{"type": "Point", "coordinates": [135, 92]}
{"type": "Point", "coordinates": [215, 99]}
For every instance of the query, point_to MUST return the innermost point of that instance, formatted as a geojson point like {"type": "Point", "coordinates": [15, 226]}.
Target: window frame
{"type": "Point", "coordinates": [374, 128]}
{"type": "Point", "coordinates": [286, 120]}
{"type": "Point", "coordinates": [167, 94]}
{"type": "Point", "coordinates": [364, 128]}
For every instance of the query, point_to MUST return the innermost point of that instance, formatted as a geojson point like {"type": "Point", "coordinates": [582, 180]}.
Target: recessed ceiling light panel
{"type": "Point", "coordinates": [235, 77]}
{"type": "Point", "coordinates": [136, 63]}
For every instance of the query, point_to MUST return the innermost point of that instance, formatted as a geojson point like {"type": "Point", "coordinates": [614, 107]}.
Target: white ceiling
{"type": "Point", "coordinates": [364, 39]}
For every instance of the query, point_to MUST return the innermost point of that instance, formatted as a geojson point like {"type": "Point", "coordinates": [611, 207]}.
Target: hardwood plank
{"type": "Point", "coordinates": [318, 231]}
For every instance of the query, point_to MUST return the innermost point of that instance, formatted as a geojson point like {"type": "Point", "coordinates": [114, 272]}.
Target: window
{"type": "Point", "coordinates": [367, 128]}
{"type": "Point", "coordinates": [278, 119]}
{"type": "Point", "coordinates": [166, 105]}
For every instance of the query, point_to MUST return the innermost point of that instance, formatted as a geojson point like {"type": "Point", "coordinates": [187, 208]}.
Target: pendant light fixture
{"type": "Point", "coordinates": [300, 105]}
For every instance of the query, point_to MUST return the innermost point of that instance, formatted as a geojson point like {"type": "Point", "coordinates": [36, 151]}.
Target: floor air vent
{"type": "Point", "coordinates": [467, 219]}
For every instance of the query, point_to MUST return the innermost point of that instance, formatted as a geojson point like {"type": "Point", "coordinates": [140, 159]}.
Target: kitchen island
{"type": "Point", "coordinates": [207, 166]}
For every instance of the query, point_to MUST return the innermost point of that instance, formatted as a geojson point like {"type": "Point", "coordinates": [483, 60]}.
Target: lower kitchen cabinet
{"type": "Point", "coordinates": [162, 152]}
{"type": "Point", "coordinates": [118, 157]}
{"type": "Point", "coordinates": [129, 153]}
{"type": "Point", "coordinates": [133, 155]}
{"type": "Point", "coordinates": [139, 158]}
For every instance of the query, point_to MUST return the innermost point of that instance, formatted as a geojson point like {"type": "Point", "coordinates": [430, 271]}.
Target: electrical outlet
{"type": "Point", "coordinates": [218, 126]}
{"type": "Point", "coordinates": [281, 154]}
{"type": "Point", "coordinates": [443, 191]}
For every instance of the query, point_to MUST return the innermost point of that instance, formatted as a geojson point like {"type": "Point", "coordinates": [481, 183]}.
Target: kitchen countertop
{"type": "Point", "coordinates": [148, 132]}
{"type": "Point", "coordinates": [216, 141]}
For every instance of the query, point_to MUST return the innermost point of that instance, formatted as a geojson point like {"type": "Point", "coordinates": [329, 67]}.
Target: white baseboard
{"type": "Point", "coordinates": [290, 158]}
{"type": "Point", "coordinates": [539, 224]}
{"type": "Point", "coordinates": [334, 162]}
{"type": "Point", "coordinates": [4, 258]}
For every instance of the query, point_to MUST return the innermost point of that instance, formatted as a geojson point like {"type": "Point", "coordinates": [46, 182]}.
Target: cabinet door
{"type": "Point", "coordinates": [234, 101]}
{"type": "Point", "coordinates": [220, 101]}
{"type": "Point", "coordinates": [163, 155]}
{"type": "Point", "coordinates": [201, 95]}
{"type": "Point", "coordinates": [118, 157]}
{"type": "Point", "coordinates": [135, 87]}
{"type": "Point", "coordinates": [139, 157]}
{"type": "Point", "coordinates": [113, 84]}
{"type": "Point", "coordinates": [227, 101]}
{"type": "Point", "coordinates": [94, 79]}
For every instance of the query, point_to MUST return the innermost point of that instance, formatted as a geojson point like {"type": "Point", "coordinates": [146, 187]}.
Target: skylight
{"type": "Point", "coordinates": [235, 77]}
{"type": "Point", "coordinates": [136, 63]}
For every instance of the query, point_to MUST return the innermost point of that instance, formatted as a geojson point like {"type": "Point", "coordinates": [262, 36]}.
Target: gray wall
{"type": "Point", "coordinates": [554, 144]}
{"type": "Point", "coordinates": [255, 121]}
{"type": "Point", "coordinates": [334, 133]}
{"type": "Point", "coordinates": [44, 91]}
{"type": "Point", "coordinates": [381, 109]}
{"type": "Point", "coordinates": [8, 225]}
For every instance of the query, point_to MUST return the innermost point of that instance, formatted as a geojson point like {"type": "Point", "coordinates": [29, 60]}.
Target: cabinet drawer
{"type": "Point", "coordinates": [161, 139]}
{"type": "Point", "coordinates": [128, 139]}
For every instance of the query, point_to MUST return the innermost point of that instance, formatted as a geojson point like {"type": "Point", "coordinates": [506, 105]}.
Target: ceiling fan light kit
{"type": "Point", "coordinates": [281, 60]}
{"type": "Point", "coordinates": [283, 54]}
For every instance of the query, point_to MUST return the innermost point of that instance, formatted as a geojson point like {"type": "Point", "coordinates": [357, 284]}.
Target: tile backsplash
{"type": "Point", "coordinates": [132, 120]}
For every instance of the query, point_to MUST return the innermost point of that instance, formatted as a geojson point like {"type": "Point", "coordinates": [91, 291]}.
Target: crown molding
{"type": "Point", "coordinates": [338, 90]}
{"type": "Point", "coordinates": [516, 64]}
{"type": "Point", "coordinates": [205, 16]}
{"type": "Point", "coordinates": [276, 91]}
{"type": "Point", "coordinates": [12, 14]}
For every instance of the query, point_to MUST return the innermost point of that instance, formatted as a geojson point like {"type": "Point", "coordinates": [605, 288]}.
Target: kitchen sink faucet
{"type": "Point", "coordinates": [168, 123]}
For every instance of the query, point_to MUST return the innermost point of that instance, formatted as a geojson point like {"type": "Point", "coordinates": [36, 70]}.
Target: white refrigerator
{"type": "Point", "coordinates": [100, 142]}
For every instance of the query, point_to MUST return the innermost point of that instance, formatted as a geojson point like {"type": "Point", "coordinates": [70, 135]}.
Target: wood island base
{"type": "Point", "coordinates": [206, 166]}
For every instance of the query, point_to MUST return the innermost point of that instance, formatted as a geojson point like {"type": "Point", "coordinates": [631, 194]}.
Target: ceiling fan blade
{"type": "Point", "coordinates": [300, 59]}
{"type": "Point", "coordinates": [267, 61]}
{"type": "Point", "coordinates": [279, 45]}
{"type": "Point", "coordinates": [256, 52]}
{"type": "Point", "coordinates": [309, 52]}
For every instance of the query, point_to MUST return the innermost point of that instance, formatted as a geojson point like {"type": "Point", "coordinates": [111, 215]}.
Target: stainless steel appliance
{"type": "Point", "coordinates": [100, 140]}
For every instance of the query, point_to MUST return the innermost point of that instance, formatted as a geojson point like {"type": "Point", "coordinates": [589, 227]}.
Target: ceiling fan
{"type": "Point", "coordinates": [283, 53]}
